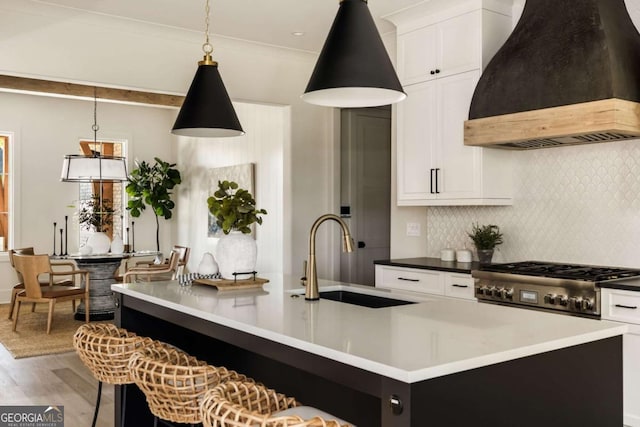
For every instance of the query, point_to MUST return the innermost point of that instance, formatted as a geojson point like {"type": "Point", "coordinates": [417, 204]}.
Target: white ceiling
{"type": "Point", "coordinates": [266, 21]}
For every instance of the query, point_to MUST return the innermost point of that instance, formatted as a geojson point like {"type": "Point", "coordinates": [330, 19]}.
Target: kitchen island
{"type": "Point", "coordinates": [437, 362]}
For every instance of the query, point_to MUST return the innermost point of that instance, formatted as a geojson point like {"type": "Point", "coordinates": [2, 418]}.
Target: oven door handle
{"type": "Point", "coordinates": [630, 307]}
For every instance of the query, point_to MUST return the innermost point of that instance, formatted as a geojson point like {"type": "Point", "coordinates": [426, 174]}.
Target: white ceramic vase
{"type": "Point", "coordinates": [208, 265]}
{"type": "Point", "coordinates": [99, 243]}
{"type": "Point", "coordinates": [236, 253]}
{"type": "Point", "coordinates": [117, 245]}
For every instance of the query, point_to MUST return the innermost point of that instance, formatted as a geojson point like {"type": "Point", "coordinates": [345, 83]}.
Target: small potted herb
{"type": "Point", "coordinates": [485, 238]}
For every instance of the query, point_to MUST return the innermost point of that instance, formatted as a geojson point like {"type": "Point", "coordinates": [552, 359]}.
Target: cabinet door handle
{"type": "Point", "coordinates": [437, 71]}
{"type": "Point", "coordinates": [630, 307]}
{"type": "Point", "coordinates": [432, 72]}
{"type": "Point", "coordinates": [436, 173]}
{"type": "Point", "coordinates": [455, 285]}
{"type": "Point", "coordinates": [408, 280]}
{"type": "Point", "coordinates": [431, 180]}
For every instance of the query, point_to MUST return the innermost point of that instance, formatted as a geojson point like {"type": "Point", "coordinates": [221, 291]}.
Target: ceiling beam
{"type": "Point", "coordinates": [85, 91]}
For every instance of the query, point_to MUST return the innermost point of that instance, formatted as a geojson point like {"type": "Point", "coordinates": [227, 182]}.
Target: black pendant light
{"type": "Point", "coordinates": [207, 111]}
{"type": "Point", "coordinates": [354, 69]}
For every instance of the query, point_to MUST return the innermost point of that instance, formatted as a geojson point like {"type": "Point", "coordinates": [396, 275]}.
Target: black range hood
{"type": "Point", "coordinates": [568, 74]}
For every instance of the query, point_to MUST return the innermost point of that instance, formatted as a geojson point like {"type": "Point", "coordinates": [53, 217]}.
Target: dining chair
{"type": "Point", "coordinates": [43, 282]}
{"type": "Point", "coordinates": [154, 272]}
{"type": "Point", "coordinates": [184, 252]}
{"type": "Point", "coordinates": [31, 267]}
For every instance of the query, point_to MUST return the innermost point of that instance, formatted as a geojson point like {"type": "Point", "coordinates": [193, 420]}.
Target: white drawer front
{"type": "Point", "coordinates": [459, 286]}
{"type": "Point", "coordinates": [408, 279]}
{"type": "Point", "coordinates": [620, 305]}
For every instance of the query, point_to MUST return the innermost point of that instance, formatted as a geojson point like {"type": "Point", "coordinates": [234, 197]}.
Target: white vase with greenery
{"type": "Point", "coordinates": [235, 211]}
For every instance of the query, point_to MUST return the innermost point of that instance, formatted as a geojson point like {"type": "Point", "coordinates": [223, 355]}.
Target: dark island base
{"type": "Point", "coordinates": [576, 386]}
{"type": "Point", "coordinates": [94, 317]}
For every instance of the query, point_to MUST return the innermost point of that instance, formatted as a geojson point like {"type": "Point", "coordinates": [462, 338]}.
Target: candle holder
{"type": "Point", "coordinates": [61, 249]}
{"type": "Point", "coordinates": [54, 238]}
{"type": "Point", "coordinates": [66, 229]}
{"type": "Point", "coordinates": [133, 237]}
{"type": "Point", "coordinates": [126, 245]}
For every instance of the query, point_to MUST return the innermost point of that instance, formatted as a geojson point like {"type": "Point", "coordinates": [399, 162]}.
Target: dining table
{"type": "Point", "coordinates": [102, 270]}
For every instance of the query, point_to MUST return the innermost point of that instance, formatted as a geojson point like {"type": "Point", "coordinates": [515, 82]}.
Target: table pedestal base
{"type": "Point", "coordinates": [101, 276]}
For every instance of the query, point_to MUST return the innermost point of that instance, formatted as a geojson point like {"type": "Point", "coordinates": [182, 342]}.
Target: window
{"type": "Point", "coordinates": [113, 216]}
{"type": "Point", "coordinates": [5, 192]}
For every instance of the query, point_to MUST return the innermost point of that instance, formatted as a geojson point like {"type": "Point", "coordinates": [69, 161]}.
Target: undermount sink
{"type": "Point", "coordinates": [363, 300]}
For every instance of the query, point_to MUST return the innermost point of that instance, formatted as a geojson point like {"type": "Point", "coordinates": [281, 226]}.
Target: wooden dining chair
{"type": "Point", "coordinates": [154, 272]}
{"type": "Point", "coordinates": [31, 267]}
{"type": "Point", "coordinates": [183, 259]}
{"type": "Point", "coordinates": [43, 282]}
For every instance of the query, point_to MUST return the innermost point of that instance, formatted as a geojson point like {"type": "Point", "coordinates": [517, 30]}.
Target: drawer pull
{"type": "Point", "coordinates": [455, 285]}
{"type": "Point", "coordinates": [408, 280]}
{"type": "Point", "coordinates": [630, 307]}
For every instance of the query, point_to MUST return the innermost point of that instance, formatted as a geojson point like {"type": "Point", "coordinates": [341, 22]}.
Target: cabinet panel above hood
{"type": "Point", "coordinates": [568, 74]}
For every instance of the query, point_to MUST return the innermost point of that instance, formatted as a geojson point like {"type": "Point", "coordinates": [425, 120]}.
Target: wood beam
{"type": "Point", "coordinates": [87, 91]}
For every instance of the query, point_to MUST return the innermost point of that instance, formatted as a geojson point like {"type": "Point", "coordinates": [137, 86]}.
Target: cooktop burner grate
{"type": "Point", "coordinates": [563, 271]}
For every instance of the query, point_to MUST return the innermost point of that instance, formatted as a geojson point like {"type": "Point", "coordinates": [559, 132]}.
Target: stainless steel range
{"type": "Point", "coordinates": [565, 288]}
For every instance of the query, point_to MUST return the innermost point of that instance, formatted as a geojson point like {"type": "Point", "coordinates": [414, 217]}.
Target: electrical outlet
{"type": "Point", "coordinates": [413, 229]}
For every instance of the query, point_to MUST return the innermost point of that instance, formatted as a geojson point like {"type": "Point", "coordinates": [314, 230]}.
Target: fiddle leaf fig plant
{"type": "Point", "coordinates": [485, 236]}
{"type": "Point", "coordinates": [234, 208]}
{"type": "Point", "coordinates": [150, 185]}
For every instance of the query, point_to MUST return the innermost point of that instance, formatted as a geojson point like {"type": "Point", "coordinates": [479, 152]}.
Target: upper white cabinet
{"type": "Point", "coordinates": [442, 49]}
{"type": "Point", "coordinates": [439, 65]}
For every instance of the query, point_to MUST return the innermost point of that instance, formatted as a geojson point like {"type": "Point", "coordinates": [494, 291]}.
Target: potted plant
{"type": "Point", "coordinates": [150, 185]}
{"type": "Point", "coordinates": [235, 211]}
{"type": "Point", "coordinates": [485, 238]}
{"type": "Point", "coordinates": [97, 215]}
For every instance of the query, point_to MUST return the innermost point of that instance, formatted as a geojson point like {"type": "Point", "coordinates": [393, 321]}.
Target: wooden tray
{"type": "Point", "coordinates": [228, 285]}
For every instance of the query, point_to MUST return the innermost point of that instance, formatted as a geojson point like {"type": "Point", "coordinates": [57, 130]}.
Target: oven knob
{"type": "Point", "coordinates": [587, 304]}
{"type": "Point", "coordinates": [550, 298]}
{"type": "Point", "coordinates": [576, 303]}
{"type": "Point", "coordinates": [509, 294]}
{"type": "Point", "coordinates": [491, 291]}
{"type": "Point", "coordinates": [482, 290]}
{"type": "Point", "coordinates": [563, 300]}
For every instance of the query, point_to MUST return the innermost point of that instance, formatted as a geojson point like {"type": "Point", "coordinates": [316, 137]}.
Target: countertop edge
{"type": "Point", "coordinates": [430, 264]}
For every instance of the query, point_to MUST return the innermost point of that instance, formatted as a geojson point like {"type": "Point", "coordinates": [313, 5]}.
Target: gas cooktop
{"type": "Point", "coordinates": [589, 273]}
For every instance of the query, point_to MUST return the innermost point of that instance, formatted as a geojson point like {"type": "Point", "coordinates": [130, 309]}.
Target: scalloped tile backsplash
{"type": "Point", "coordinates": [578, 204]}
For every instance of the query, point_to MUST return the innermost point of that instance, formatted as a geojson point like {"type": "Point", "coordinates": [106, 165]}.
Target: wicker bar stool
{"type": "Point", "coordinates": [241, 404]}
{"type": "Point", "coordinates": [105, 349]}
{"type": "Point", "coordinates": [173, 382]}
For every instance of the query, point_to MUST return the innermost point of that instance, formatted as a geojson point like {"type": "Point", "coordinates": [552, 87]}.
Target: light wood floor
{"type": "Point", "coordinates": [59, 379]}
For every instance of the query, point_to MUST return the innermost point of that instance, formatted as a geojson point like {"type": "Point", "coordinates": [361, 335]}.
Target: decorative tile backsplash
{"type": "Point", "coordinates": [578, 204]}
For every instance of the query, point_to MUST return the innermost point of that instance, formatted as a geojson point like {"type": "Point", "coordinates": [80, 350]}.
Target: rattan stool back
{"type": "Point", "coordinates": [106, 349]}
{"type": "Point", "coordinates": [243, 404]}
{"type": "Point", "coordinates": [174, 382]}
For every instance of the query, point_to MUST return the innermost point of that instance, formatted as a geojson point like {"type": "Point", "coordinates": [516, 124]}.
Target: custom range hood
{"type": "Point", "coordinates": [568, 74]}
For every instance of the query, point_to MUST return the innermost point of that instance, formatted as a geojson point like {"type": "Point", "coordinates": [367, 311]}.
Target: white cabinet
{"type": "Point", "coordinates": [624, 306]}
{"type": "Point", "coordinates": [434, 167]}
{"type": "Point", "coordinates": [456, 285]}
{"type": "Point", "coordinates": [442, 49]}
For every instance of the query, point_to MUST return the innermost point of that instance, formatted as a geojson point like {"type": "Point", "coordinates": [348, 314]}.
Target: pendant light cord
{"type": "Point", "coordinates": [95, 128]}
{"type": "Point", "coordinates": [206, 47]}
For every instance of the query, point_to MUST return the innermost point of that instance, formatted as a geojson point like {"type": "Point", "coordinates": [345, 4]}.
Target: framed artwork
{"type": "Point", "coordinates": [242, 174]}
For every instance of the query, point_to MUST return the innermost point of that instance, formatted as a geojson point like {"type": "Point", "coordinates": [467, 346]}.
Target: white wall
{"type": "Point", "coordinates": [42, 41]}
{"type": "Point", "coordinates": [265, 142]}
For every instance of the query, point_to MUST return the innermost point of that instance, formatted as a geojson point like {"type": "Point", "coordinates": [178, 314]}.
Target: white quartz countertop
{"type": "Point", "coordinates": [437, 336]}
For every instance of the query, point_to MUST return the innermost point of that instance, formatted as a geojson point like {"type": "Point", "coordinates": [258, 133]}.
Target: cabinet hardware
{"type": "Point", "coordinates": [396, 404]}
{"type": "Point", "coordinates": [455, 285]}
{"type": "Point", "coordinates": [432, 72]}
{"type": "Point", "coordinates": [630, 307]}
{"type": "Point", "coordinates": [431, 180]}
{"type": "Point", "coordinates": [436, 173]}
{"type": "Point", "coordinates": [408, 280]}
{"type": "Point", "coordinates": [437, 71]}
